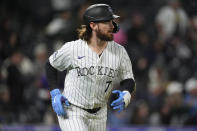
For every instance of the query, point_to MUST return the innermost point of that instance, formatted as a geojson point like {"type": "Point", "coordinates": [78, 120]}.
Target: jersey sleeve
{"type": "Point", "coordinates": [60, 59]}
{"type": "Point", "coordinates": [125, 71]}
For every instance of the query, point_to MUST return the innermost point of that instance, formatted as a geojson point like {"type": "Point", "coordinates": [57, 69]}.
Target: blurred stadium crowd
{"type": "Point", "coordinates": [159, 35]}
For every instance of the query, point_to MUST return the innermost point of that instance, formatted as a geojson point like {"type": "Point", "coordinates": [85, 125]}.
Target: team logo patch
{"type": "Point", "coordinates": [80, 57]}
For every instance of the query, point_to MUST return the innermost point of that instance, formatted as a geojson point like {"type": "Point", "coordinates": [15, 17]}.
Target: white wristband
{"type": "Point", "coordinates": [127, 98]}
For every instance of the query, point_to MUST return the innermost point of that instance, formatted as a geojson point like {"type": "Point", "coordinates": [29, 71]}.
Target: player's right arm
{"type": "Point", "coordinates": [51, 74]}
{"type": "Point", "coordinates": [58, 61]}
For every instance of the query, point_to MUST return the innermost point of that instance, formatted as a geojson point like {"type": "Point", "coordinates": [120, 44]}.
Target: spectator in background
{"type": "Point", "coordinates": [173, 111]}
{"type": "Point", "coordinates": [40, 53]}
{"type": "Point", "coordinates": [40, 56]}
{"type": "Point", "coordinates": [15, 80]}
{"type": "Point", "coordinates": [191, 39]}
{"type": "Point", "coordinates": [141, 114]}
{"type": "Point", "coordinates": [158, 79]}
{"type": "Point", "coordinates": [62, 25]}
{"type": "Point", "coordinates": [177, 56]}
{"type": "Point", "coordinates": [171, 20]}
{"type": "Point", "coordinates": [192, 35]}
{"type": "Point", "coordinates": [60, 5]}
{"type": "Point", "coordinates": [139, 44]}
{"type": "Point", "coordinates": [9, 40]}
{"type": "Point", "coordinates": [137, 27]}
{"type": "Point", "coordinates": [15, 83]}
{"type": "Point", "coordinates": [37, 95]}
{"type": "Point", "coordinates": [190, 100]}
{"type": "Point", "coordinates": [17, 72]}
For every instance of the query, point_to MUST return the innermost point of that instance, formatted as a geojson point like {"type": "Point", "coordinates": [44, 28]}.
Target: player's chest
{"type": "Point", "coordinates": [88, 63]}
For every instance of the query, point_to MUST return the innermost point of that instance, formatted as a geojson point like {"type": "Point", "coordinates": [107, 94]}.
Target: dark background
{"type": "Point", "coordinates": [164, 65]}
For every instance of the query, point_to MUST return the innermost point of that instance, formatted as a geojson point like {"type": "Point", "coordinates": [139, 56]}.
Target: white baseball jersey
{"type": "Point", "coordinates": [90, 77]}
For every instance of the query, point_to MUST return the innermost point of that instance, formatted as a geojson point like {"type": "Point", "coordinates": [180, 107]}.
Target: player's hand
{"type": "Point", "coordinates": [119, 102]}
{"type": "Point", "coordinates": [57, 102]}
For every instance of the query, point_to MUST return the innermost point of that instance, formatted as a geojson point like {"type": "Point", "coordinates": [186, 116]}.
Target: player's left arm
{"type": "Point", "coordinates": [127, 84]}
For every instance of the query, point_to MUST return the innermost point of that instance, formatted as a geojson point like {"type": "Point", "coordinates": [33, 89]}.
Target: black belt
{"type": "Point", "coordinates": [95, 110]}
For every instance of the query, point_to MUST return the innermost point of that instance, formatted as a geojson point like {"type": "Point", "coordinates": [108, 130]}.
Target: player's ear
{"type": "Point", "coordinates": [93, 26]}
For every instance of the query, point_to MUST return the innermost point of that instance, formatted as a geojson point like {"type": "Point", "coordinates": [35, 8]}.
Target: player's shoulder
{"type": "Point", "coordinates": [78, 41]}
{"type": "Point", "coordinates": [116, 45]}
{"type": "Point", "coordinates": [74, 42]}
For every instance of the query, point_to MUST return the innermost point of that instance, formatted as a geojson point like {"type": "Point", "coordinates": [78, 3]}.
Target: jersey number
{"type": "Point", "coordinates": [108, 84]}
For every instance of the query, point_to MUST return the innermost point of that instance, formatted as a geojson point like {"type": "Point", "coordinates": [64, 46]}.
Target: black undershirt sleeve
{"type": "Point", "coordinates": [52, 75]}
{"type": "Point", "coordinates": [128, 84]}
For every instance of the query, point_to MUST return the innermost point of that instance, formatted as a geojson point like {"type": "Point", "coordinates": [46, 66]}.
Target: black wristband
{"type": "Point", "coordinates": [128, 84]}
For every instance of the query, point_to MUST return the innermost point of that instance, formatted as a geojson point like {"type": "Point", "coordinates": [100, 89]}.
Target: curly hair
{"type": "Point", "coordinates": [84, 32]}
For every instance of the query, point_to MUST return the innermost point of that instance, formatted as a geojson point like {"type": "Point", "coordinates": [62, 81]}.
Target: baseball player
{"type": "Point", "coordinates": [94, 63]}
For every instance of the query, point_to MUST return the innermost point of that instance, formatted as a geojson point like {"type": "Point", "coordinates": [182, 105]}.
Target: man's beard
{"type": "Point", "coordinates": [104, 37]}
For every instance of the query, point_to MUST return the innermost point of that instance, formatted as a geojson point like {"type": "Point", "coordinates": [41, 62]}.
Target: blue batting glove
{"type": "Point", "coordinates": [57, 102]}
{"type": "Point", "coordinates": [119, 102]}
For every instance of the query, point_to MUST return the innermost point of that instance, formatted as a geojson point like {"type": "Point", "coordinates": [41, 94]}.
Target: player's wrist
{"type": "Point", "coordinates": [127, 98]}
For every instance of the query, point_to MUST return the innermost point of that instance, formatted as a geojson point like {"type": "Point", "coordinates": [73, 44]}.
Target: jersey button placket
{"type": "Point", "coordinates": [97, 60]}
{"type": "Point", "coordinates": [97, 77]}
{"type": "Point", "coordinates": [97, 64]}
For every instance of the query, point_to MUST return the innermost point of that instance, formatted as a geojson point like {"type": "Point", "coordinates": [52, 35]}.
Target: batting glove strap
{"type": "Point", "coordinates": [127, 98]}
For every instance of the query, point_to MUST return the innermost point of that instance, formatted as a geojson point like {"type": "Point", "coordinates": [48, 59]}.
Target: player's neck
{"type": "Point", "coordinates": [97, 45]}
